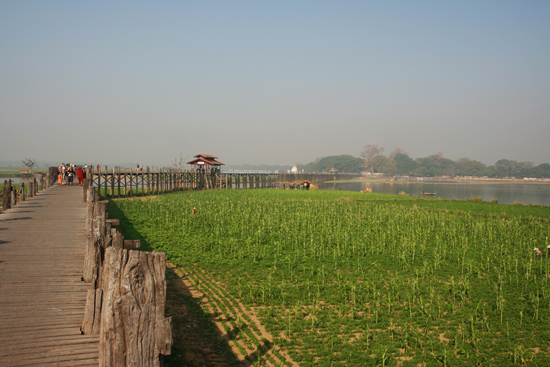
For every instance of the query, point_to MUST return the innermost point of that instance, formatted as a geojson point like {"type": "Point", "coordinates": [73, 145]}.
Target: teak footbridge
{"type": "Point", "coordinates": [42, 296]}
{"type": "Point", "coordinates": [73, 292]}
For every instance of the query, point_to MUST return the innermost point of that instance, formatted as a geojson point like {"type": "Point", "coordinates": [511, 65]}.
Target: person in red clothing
{"type": "Point", "coordinates": [80, 175]}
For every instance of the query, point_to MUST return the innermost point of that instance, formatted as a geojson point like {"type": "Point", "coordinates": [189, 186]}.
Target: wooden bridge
{"type": "Point", "coordinates": [42, 296]}
{"type": "Point", "coordinates": [118, 182]}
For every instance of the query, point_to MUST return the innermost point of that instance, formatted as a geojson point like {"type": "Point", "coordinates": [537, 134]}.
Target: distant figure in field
{"type": "Point", "coordinates": [548, 249]}
{"type": "Point", "coordinates": [538, 253]}
{"type": "Point", "coordinates": [80, 175]}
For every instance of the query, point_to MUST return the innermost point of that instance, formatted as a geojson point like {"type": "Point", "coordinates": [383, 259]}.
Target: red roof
{"type": "Point", "coordinates": [205, 160]}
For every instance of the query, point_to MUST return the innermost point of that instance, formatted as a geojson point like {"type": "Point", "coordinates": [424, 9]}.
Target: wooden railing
{"type": "Point", "coordinates": [117, 182]}
{"type": "Point", "coordinates": [13, 194]}
{"type": "Point", "coordinates": [125, 304]}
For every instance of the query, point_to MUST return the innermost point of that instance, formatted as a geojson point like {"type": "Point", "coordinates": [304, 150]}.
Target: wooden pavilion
{"type": "Point", "coordinates": [205, 162]}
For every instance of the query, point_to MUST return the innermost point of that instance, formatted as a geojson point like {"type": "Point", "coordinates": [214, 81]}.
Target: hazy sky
{"type": "Point", "coordinates": [278, 82]}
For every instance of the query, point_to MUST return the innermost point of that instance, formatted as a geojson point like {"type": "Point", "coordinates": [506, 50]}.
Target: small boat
{"type": "Point", "coordinates": [424, 193]}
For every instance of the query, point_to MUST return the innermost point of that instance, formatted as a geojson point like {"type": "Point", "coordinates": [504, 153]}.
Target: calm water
{"type": "Point", "coordinates": [532, 193]}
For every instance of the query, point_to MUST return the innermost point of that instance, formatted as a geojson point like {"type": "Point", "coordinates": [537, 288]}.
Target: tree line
{"type": "Point", "coordinates": [398, 163]}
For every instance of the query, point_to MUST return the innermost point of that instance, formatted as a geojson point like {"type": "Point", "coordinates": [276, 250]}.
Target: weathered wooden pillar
{"type": "Point", "coordinates": [6, 198]}
{"type": "Point", "coordinates": [13, 194]}
{"type": "Point", "coordinates": [106, 181]}
{"type": "Point", "coordinates": [142, 177]}
{"type": "Point", "coordinates": [125, 174]}
{"type": "Point", "coordinates": [118, 181]}
{"type": "Point", "coordinates": [30, 189]}
{"type": "Point", "coordinates": [157, 174]}
{"type": "Point", "coordinates": [85, 186]}
{"type": "Point", "coordinates": [22, 191]}
{"type": "Point", "coordinates": [160, 181]}
{"type": "Point", "coordinates": [148, 181]}
{"type": "Point", "coordinates": [99, 180]}
{"type": "Point", "coordinates": [131, 192]}
{"type": "Point", "coordinates": [112, 192]}
{"type": "Point", "coordinates": [134, 331]}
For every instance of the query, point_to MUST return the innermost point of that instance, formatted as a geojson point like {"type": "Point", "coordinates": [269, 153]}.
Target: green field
{"type": "Point", "coordinates": [350, 279]}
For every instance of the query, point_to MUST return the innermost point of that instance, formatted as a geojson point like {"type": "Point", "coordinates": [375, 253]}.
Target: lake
{"type": "Point", "coordinates": [506, 193]}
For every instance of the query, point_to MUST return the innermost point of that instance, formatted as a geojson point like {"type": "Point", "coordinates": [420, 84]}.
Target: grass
{"type": "Point", "coordinates": [340, 278]}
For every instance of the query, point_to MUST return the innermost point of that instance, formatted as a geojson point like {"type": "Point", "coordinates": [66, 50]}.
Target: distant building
{"type": "Point", "coordinates": [294, 169]}
{"type": "Point", "coordinates": [205, 162]}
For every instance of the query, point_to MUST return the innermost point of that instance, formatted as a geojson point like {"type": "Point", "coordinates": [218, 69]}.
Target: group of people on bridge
{"type": "Point", "coordinates": [66, 173]}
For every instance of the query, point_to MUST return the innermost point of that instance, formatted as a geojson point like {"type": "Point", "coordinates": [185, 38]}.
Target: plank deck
{"type": "Point", "coordinates": [42, 296]}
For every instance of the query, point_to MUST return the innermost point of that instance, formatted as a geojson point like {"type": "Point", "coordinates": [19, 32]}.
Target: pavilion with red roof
{"type": "Point", "coordinates": [205, 162]}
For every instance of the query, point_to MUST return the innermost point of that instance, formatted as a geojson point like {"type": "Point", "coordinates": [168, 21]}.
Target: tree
{"type": "Point", "coordinates": [29, 163]}
{"type": "Point", "coordinates": [504, 168]}
{"type": "Point", "coordinates": [385, 165]}
{"type": "Point", "coordinates": [398, 151]}
{"type": "Point", "coordinates": [369, 152]}
{"type": "Point", "coordinates": [177, 163]}
{"type": "Point", "coordinates": [342, 163]}
{"type": "Point", "coordinates": [405, 164]}
{"type": "Point", "coordinates": [468, 167]}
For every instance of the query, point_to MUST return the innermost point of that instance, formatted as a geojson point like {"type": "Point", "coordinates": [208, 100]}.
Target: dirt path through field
{"type": "Point", "coordinates": [215, 331]}
{"type": "Point", "coordinates": [196, 342]}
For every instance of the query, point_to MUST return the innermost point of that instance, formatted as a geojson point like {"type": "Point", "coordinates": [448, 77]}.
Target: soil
{"type": "Point", "coordinates": [195, 340]}
{"type": "Point", "coordinates": [200, 330]}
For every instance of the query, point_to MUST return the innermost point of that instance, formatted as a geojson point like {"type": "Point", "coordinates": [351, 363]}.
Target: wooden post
{"type": "Point", "coordinates": [85, 186]}
{"type": "Point", "coordinates": [22, 188]}
{"type": "Point", "coordinates": [98, 180]}
{"type": "Point", "coordinates": [148, 181]}
{"type": "Point", "coordinates": [113, 182]}
{"type": "Point", "coordinates": [134, 331]}
{"type": "Point", "coordinates": [157, 186]}
{"type": "Point", "coordinates": [106, 181]}
{"type": "Point", "coordinates": [13, 194]}
{"type": "Point", "coordinates": [118, 181]}
{"type": "Point", "coordinates": [131, 192]}
{"type": "Point", "coordinates": [91, 250]}
{"type": "Point", "coordinates": [141, 174]}
{"type": "Point", "coordinates": [6, 198]}
{"type": "Point", "coordinates": [125, 174]}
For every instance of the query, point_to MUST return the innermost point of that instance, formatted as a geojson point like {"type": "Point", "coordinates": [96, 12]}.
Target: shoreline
{"type": "Point", "coordinates": [447, 181]}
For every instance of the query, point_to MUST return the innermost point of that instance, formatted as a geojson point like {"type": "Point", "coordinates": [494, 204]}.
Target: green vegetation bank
{"type": "Point", "coordinates": [401, 164]}
{"type": "Point", "coordinates": [351, 279]}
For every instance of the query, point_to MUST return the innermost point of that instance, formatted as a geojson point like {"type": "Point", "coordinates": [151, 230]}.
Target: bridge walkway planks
{"type": "Point", "coordinates": [42, 297]}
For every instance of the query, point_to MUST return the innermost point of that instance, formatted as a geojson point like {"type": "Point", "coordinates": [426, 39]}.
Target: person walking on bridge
{"type": "Point", "coordinates": [61, 173]}
{"type": "Point", "coordinates": [70, 174]}
{"type": "Point", "coordinates": [80, 175]}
